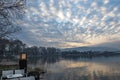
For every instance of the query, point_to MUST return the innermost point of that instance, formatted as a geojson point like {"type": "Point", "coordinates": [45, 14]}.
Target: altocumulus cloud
{"type": "Point", "coordinates": [71, 23]}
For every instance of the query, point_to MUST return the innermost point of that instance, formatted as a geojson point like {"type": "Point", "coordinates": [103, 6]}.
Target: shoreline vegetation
{"type": "Point", "coordinates": [13, 48]}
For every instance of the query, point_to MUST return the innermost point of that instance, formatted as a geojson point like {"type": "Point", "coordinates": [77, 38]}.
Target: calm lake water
{"type": "Point", "coordinates": [102, 68]}
{"type": "Point", "coordinates": [99, 68]}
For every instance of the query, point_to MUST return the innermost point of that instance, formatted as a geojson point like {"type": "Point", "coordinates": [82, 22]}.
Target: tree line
{"type": "Point", "coordinates": [15, 47]}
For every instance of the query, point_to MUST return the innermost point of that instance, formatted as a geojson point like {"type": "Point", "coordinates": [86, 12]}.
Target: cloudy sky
{"type": "Point", "coordinates": [71, 23]}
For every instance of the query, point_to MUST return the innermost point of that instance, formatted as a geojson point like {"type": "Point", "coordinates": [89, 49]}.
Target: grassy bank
{"type": "Point", "coordinates": [7, 67]}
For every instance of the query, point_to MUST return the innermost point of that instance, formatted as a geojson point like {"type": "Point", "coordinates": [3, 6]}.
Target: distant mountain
{"type": "Point", "coordinates": [82, 49]}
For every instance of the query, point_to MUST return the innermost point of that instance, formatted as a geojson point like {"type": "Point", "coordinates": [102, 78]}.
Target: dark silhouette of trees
{"type": "Point", "coordinates": [88, 54]}
{"type": "Point", "coordinates": [9, 11]}
{"type": "Point", "coordinates": [11, 47]}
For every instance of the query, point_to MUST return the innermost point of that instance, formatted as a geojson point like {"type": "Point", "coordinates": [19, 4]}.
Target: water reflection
{"type": "Point", "coordinates": [95, 69]}
{"type": "Point", "coordinates": [101, 68]}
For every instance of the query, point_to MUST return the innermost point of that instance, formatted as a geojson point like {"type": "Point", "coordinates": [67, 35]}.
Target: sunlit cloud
{"type": "Point", "coordinates": [106, 1]}
{"type": "Point", "coordinates": [72, 23]}
{"type": "Point", "coordinates": [61, 15]}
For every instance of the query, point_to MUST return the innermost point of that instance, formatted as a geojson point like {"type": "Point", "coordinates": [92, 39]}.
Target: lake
{"type": "Point", "coordinates": [75, 68]}
{"type": "Point", "coordinates": [100, 68]}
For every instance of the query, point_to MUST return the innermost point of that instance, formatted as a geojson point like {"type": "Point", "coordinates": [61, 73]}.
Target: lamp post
{"type": "Point", "coordinates": [23, 61]}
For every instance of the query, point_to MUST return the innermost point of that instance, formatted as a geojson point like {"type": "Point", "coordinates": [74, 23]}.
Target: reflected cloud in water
{"type": "Point", "coordinates": [84, 70]}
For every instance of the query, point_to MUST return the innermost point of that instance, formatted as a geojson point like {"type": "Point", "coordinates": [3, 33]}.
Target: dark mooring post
{"type": "Point", "coordinates": [23, 62]}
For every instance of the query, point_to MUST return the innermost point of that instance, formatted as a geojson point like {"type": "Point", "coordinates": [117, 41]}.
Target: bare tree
{"type": "Point", "coordinates": [10, 10]}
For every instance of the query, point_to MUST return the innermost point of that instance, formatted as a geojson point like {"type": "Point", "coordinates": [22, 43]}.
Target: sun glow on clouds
{"type": "Point", "coordinates": [72, 23]}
